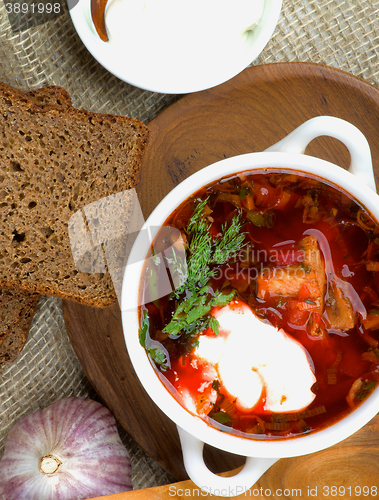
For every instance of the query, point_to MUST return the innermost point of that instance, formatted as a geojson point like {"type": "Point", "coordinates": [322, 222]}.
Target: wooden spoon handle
{"type": "Point", "coordinates": [98, 18]}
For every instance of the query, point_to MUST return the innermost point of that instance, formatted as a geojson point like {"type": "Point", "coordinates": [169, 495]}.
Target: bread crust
{"type": "Point", "coordinates": [51, 96]}
{"type": "Point", "coordinates": [55, 160]}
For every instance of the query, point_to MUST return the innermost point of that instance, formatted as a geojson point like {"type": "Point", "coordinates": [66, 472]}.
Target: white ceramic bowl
{"type": "Point", "coordinates": [173, 72]}
{"type": "Point", "coordinates": [194, 432]}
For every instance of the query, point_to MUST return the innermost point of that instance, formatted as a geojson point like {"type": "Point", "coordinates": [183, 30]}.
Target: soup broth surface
{"type": "Point", "coordinates": [289, 251]}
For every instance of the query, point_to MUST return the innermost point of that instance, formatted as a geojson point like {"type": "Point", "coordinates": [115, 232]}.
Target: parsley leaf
{"type": "Point", "coordinates": [221, 417]}
{"type": "Point", "coordinates": [366, 388]}
{"type": "Point", "coordinates": [159, 356]}
{"type": "Point", "coordinates": [143, 331]}
{"type": "Point", "coordinates": [153, 348]}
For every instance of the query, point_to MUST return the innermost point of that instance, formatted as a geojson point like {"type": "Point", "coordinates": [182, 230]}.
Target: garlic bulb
{"type": "Point", "coordinates": [71, 450]}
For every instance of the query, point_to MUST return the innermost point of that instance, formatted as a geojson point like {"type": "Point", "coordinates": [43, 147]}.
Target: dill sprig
{"type": "Point", "coordinates": [230, 243]}
{"type": "Point", "coordinates": [204, 253]}
{"type": "Point", "coordinates": [156, 351]}
{"type": "Point", "coordinates": [199, 251]}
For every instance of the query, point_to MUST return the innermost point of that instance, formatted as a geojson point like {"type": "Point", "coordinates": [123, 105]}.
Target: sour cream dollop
{"type": "Point", "coordinates": [256, 362]}
{"type": "Point", "coordinates": [181, 34]}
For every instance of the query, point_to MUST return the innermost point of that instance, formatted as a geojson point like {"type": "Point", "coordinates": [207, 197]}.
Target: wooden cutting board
{"type": "Point", "coordinates": [249, 113]}
{"type": "Point", "coordinates": [345, 471]}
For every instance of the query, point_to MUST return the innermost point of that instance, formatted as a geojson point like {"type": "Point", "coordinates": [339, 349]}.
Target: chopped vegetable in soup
{"type": "Point", "coordinates": [274, 328]}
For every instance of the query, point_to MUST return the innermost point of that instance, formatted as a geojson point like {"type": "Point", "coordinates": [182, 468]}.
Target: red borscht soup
{"type": "Point", "coordinates": [274, 328]}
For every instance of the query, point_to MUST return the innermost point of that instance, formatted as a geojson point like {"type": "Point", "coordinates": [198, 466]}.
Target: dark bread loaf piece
{"type": "Point", "coordinates": [17, 307]}
{"type": "Point", "coordinates": [51, 96]}
{"type": "Point", "coordinates": [16, 313]}
{"type": "Point", "coordinates": [55, 160]}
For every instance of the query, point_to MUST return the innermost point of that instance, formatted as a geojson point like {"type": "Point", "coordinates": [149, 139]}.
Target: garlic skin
{"type": "Point", "coordinates": [71, 450]}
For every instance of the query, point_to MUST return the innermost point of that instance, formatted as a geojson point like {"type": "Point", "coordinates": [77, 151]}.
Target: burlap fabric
{"type": "Point", "coordinates": [38, 50]}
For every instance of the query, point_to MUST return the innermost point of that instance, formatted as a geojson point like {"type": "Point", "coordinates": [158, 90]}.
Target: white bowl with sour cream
{"type": "Point", "coordinates": [287, 154]}
{"type": "Point", "coordinates": [176, 46]}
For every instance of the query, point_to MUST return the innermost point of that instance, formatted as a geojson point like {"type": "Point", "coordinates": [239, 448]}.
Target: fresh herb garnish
{"type": "Point", "coordinates": [153, 348]}
{"type": "Point", "coordinates": [261, 219]}
{"type": "Point", "coordinates": [366, 388]}
{"type": "Point", "coordinates": [204, 253]}
{"type": "Point", "coordinates": [144, 330]}
{"type": "Point", "coordinates": [191, 314]}
{"type": "Point", "coordinates": [242, 194]}
{"type": "Point", "coordinates": [213, 325]}
{"type": "Point", "coordinates": [221, 417]}
{"type": "Point", "coordinates": [159, 356]}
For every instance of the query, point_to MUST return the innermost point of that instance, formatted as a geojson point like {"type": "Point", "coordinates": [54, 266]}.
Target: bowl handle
{"type": "Point", "coordinates": [211, 483]}
{"type": "Point", "coordinates": [348, 134]}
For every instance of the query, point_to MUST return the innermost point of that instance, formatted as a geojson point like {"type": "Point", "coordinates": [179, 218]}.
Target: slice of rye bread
{"type": "Point", "coordinates": [55, 160]}
{"type": "Point", "coordinates": [50, 96]}
{"type": "Point", "coordinates": [17, 307]}
{"type": "Point", "coordinates": [16, 314]}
